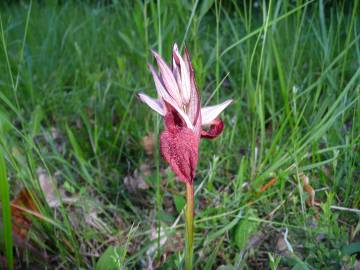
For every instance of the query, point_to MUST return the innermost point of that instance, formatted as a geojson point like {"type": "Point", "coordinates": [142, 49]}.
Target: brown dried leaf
{"type": "Point", "coordinates": [49, 188]}
{"type": "Point", "coordinates": [309, 190]}
{"type": "Point", "coordinates": [268, 185]}
{"type": "Point", "coordinates": [148, 142]}
{"type": "Point", "coordinates": [21, 221]}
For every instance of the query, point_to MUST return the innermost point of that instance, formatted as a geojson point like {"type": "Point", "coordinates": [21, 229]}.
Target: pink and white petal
{"type": "Point", "coordinates": [160, 88]}
{"type": "Point", "coordinates": [176, 72]}
{"type": "Point", "coordinates": [208, 114]}
{"type": "Point", "coordinates": [175, 66]}
{"type": "Point", "coordinates": [175, 47]}
{"type": "Point", "coordinates": [168, 79]}
{"type": "Point", "coordinates": [193, 108]}
{"type": "Point", "coordinates": [155, 104]}
{"type": "Point", "coordinates": [187, 60]}
{"type": "Point", "coordinates": [169, 99]}
{"type": "Point", "coordinates": [185, 76]}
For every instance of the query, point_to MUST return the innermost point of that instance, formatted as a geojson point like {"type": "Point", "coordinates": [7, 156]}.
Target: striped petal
{"type": "Point", "coordinates": [169, 99]}
{"type": "Point", "coordinates": [185, 76]}
{"type": "Point", "coordinates": [155, 104]}
{"type": "Point", "coordinates": [168, 79]}
{"type": "Point", "coordinates": [193, 108]}
{"type": "Point", "coordinates": [160, 88]}
{"type": "Point", "coordinates": [210, 113]}
{"type": "Point", "coordinates": [175, 68]}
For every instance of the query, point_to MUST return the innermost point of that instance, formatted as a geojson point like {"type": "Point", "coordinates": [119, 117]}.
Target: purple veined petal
{"type": "Point", "coordinates": [185, 76]}
{"type": "Point", "coordinates": [193, 108]}
{"type": "Point", "coordinates": [208, 114]}
{"type": "Point", "coordinates": [175, 68]}
{"type": "Point", "coordinates": [160, 88]}
{"type": "Point", "coordinates": [168, 79]}
{"type": "Point", "coordinates": [187, 60]}
{"type": "Point", "coordinates": [166, 96]}
{"type": "Point", "coordinates": [155, 104]}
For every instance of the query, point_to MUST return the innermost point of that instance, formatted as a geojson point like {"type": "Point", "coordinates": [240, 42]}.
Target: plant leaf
{"type": "Point", "coordinates": [6, 213]}
{"type": "Point", "coordinates": [179, 202]}
{"type": "Point", "coordinates": [110, 259]}
{"type": "Point", "coordinates": [244, 230]}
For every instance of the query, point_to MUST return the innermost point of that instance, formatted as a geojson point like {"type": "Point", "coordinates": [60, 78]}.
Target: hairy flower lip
{"type": "Point", "coordinates": [179, 146]}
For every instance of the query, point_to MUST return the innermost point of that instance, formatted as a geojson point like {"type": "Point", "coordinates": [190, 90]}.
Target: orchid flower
{"type": "Point", "coordinates": [178, 102]}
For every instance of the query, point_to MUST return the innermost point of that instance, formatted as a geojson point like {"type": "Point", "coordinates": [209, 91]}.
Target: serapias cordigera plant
{"type": "Point", "coordinates": [178, 102]}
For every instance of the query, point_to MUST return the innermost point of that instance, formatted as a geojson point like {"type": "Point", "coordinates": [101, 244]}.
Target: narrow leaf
{"type": "Point", "coordinates": [6, 213]}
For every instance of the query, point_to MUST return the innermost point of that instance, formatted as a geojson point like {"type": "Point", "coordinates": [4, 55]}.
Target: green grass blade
{"type": "Point", "coordinates": [261, 28]}
{"type": "Point", "coordinates": [6, 213]}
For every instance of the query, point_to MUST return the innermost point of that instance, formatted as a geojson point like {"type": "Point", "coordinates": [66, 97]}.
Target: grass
{"type": "Point", "coordinates": [69, 75]}
{"type": "Point", "coordinates": [6, 235]}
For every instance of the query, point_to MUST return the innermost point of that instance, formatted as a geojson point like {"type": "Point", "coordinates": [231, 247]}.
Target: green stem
{"type": "Point", "coordinates": [189, 226]}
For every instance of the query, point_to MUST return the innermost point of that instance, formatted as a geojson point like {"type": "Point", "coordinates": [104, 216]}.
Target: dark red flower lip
{"type": "Point", "coordinates": [216, 127]}
{"type": "Point", "coordinates": [179, 146]}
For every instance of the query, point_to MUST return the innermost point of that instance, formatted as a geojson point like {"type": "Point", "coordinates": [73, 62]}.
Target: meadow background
{"type": "Point", "coordinates": [79, 156]}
